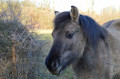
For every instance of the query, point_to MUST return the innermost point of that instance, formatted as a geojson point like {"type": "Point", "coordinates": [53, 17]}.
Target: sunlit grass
{"type": "Point", "coordinates": [46, 31]}
{"type": "Point", "coordinates": [46, 36]}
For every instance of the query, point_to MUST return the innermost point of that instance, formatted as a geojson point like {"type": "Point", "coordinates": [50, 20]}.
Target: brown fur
{"type": "Point", "coordinates": [88, 62]}
{"type": "Point", "coordinates": [114, 30]}
{"type": "Point", "coordinates": [108, 58]}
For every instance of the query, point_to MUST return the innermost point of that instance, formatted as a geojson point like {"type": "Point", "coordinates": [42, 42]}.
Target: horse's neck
{"type": "Point", "coordinates": [114, 49]}
{"type": "Point", "coordinates": [92, 57]}
{"type": "Point", "coordinates": [107, 53]}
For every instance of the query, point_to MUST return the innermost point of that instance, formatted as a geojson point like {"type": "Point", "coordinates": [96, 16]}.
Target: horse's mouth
{"type": "Point", "coordinates": [58, 71]}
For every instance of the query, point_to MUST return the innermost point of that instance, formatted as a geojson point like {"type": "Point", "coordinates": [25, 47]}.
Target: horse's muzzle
{"type": "Point", "coordinates": [53, 66]}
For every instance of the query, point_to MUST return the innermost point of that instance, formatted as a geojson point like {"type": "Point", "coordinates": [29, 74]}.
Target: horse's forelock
{"type": "Point", "coordinates": [61, 20]}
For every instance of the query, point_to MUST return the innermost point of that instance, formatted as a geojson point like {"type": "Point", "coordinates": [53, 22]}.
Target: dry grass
{"type": "Point", "coordinates": [106, 14]}
{"type": "Point", "coordinates": [42, 19]}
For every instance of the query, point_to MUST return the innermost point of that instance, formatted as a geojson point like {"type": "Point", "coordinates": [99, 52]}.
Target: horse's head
{"type": "Point", "coordinates": [68, 43]}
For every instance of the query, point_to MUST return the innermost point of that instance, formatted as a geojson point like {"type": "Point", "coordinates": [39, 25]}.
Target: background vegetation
{"type": "Point", "coordinates": [24, 43]}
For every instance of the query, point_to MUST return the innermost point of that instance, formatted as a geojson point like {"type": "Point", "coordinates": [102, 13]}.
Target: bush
{"type": "Point", "coordinates": [19, 49]}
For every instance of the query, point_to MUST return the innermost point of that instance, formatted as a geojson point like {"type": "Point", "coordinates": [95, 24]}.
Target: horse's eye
{"type": "Point", "coordinates": [69, 35]}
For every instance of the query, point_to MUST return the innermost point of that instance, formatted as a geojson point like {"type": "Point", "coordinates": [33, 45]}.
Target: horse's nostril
{"type": "Point", "coordinates": [50, 65]}
{"type": "Point", "coordinates": [54, 65]}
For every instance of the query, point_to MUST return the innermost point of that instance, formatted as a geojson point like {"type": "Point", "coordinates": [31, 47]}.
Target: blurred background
{"type": "Point", "coordinates": [25, 33]}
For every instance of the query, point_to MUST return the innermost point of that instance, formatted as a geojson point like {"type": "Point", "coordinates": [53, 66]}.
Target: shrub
{"type": "Point", "coordinates": [19, 49]}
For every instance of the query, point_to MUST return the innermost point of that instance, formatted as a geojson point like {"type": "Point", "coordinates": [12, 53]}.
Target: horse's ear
{"type": "Point", "coordinates": [74, 13]}
{"type": "Point", "coordinates": [56, 13]}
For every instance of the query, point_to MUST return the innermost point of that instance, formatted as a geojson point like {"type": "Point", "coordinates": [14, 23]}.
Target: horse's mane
{"type": "Point", "coordinates": [91, 29]}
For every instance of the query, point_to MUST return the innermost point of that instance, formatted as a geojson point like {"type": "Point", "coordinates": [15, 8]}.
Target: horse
{"type": "Point", "coordinates": [78, 40]}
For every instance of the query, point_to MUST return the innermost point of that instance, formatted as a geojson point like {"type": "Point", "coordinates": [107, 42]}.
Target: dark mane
{"type": "Point", "coordinates": [91, 29]}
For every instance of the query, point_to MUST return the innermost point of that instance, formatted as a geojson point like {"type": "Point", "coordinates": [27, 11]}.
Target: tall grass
{"type": "Point", "coordinates": [107, 14]}
{"type": "Point", "coordinates": [42, 18]}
